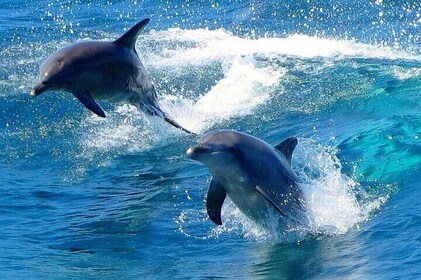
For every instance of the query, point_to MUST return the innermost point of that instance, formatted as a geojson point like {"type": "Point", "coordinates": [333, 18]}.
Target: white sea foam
{"type": "Point", "coordinates": [244, 87]}
{"type": "Point", "coordinates": [246, 84]}
{"type": "Point", "coordinates": [126, 129]}
{"type": "Point", "coordinates": [203, 45]}
{"type": "Point", "coordinates": [405, 74]}
{"type": "Point", "coordinates": [330, 195]}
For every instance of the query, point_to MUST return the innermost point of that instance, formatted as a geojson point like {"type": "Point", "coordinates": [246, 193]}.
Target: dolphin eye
{"type": "Point", "coordinates": [60, 62]}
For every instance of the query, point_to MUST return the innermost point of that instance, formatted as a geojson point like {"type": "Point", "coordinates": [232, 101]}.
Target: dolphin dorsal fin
{"type": "Point", "coordinates": [129, 38]}
{"type": "Point", "coordinates": [287, 146]}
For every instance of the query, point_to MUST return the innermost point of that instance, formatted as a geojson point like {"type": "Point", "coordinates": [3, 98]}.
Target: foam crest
{"type": "Point", "coordinates": [243, 88]}
{"type": "Point", "coordinates": [249, 75]}
{"type": "Point", "coordinates": [406, 74]}
{"type": "Point", "coordinates": [200, 46]}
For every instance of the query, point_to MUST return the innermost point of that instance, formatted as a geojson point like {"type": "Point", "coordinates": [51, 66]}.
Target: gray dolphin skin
{"type": "Point", "coordinates": [109, 71]}
{"type": "Point", "coordinates": [255, 175]}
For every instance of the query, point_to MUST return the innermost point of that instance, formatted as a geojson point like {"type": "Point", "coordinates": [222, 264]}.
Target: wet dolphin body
{"type": "Point", "coordinates": [255, 175]}
{"type": "Point", "coordinates": [110, 71]}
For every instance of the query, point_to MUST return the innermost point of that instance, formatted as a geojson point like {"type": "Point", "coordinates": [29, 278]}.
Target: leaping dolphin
{"type": "Point", "coordinates": [110, 71]}
{"type": "Point", "coordinates": [255, 175]}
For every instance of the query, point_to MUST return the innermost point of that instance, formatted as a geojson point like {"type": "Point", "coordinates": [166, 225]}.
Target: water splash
{"type": "Point", "coordinates": [333, 206]}
{"type": "Point", "coordinates": [243, 88]}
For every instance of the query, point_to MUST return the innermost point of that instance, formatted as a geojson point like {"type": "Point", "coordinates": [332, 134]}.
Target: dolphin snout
{"type": "Point", "coordinates": [200, 152]}
{"type": "Point", "coordinates": [190, 151]}
{"type": "Point", "coordinates": [38, 89]}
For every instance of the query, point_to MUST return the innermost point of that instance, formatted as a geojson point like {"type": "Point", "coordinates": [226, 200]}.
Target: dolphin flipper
{"type": "Point", "coordinates": [214, 201]}
{"type": "Point", "coordinates": [287, 146]}
{"type": "Point", "coordinates": [86, 99]}
{"type": "Point", "coordinates": [271, 202]}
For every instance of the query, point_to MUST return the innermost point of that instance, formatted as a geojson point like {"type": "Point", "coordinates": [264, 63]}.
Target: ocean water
{"type": "Point", "coordinates": [88, 198]}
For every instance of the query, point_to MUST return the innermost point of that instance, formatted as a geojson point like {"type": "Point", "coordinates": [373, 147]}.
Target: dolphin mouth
{"type": "Point", "coordinates": [38, 89]}
{"type": "Point", "coordinates": [194, 152]}
{"type": "Point", "coordinates": [199, 151]}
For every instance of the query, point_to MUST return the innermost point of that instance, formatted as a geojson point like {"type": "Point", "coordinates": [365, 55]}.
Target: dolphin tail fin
{"type": "Point", "coordinates": [175, 124]}
{"type": "Point", "coordinates": [271, 202]}
{"type": "Point", "coordinates": [156, 111]}
{"type": "Point", "coordinates": [129, 38]}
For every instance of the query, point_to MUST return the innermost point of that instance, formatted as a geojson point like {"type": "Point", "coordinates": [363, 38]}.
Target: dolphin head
{"type": "Point", "coordinates": [217, 150]}
{"type": "Point", "coordinates": [55, 72]}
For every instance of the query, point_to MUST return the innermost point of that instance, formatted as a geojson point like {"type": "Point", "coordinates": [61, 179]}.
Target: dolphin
{"type": "Point", "coordinates": [109, 71]}
{"type": "Point", "coordinates": [256, 176]}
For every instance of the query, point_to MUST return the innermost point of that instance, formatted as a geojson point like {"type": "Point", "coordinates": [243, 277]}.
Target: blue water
{"type": "Point", "coordinates": [116, 198]}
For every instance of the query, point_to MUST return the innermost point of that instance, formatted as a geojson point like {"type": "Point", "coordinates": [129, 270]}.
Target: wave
{"type": "Point", "coordinates": [239, 75]}
{"type": "Point", "coordinates": [202, 45]}
{"type": "Point", "coordinates": [248, 75]}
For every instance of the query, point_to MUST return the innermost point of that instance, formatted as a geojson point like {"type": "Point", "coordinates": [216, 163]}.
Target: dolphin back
{"type": "Point", "coordinates": [129, 38]}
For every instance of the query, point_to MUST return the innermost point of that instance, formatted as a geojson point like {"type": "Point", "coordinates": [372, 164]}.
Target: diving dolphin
{"type": "Point", "coordinates": [110, 71]}
{"type": "Point", "coordinates": [256, 176]}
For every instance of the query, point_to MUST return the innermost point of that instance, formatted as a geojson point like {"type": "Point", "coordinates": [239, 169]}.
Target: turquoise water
{"type": "Point", "coordinates": [116, 198]}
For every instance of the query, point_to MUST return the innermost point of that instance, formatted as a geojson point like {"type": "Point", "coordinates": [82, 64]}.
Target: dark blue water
{"type": "Point", "coordinates": [116, 198]}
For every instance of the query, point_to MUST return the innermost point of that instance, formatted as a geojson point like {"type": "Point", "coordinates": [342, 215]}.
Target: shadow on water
{"type": "Point", "coordinates": [288, 261]}
{"type": "Point", "coordinates": [313, 258]}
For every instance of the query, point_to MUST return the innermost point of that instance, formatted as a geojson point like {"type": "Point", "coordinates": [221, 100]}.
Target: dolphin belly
{"type": "Point", "coordinates": [252, 204]}
{"type": "Point", "coordinates": [113, 82]}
